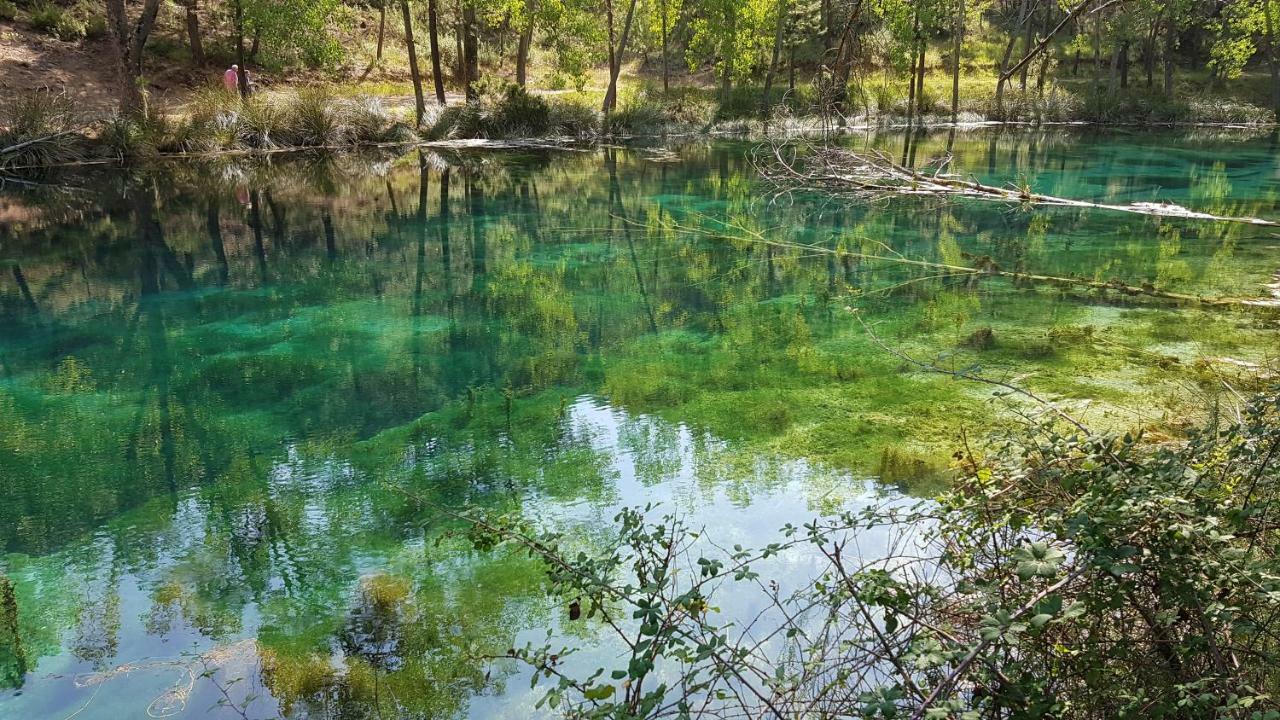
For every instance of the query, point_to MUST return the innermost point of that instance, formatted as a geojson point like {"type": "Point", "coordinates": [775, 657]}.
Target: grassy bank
{"type": "Point", "coordinates": [43, 128]}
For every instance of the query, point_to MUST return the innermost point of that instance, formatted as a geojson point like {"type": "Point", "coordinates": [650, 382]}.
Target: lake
{"type": "Point", "coordinates": [240, 399]}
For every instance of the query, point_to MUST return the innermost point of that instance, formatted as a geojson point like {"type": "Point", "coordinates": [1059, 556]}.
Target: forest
{"type": "Point", "coordinates": [332, 72]}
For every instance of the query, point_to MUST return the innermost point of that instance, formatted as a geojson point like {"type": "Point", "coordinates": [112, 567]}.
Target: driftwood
{"type": "Point", "coordinates": [986, 267]}
{"type": "Point", "coordinates": [840, 171]}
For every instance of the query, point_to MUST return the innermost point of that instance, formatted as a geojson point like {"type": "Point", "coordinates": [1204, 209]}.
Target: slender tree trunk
{"type": "Point", "coordinates": [1124, 65]}
{"type": "Point", "coordinates": [522, 48]}
{"type": "Point", "coordinates": [419, 104]}
{"type": "Point", "coordinates": [460, 70]}
{"type": "Point", "coordinates": [666, 74]}
{"type": "Point", "coordinates": [382, 30]}
{"type": "Point", "coordinates": [1075, 64]}
{"type": "Point", "coordinates": [1273, 61]}
{"type": "Point", "coordinates": [1047, 57]}
{"type": "Point", "coordinates": [779, 26]}
{"type": "Point", "coordinates": [615, 55]}
{"type": "Point", "coordinates": [1170, 46]}
{"type": "Point", "coordinates": [470, 50]}
{"type": "Point", "coordinates": [791, 68]}
{"type": "Point", "coordinates": [255, 45]}
{"type": "Point", "coordinates": [607, 106]}
{"type": "Point", "coordinates": [242, 78]}
{"type": "Point", "coordinates": [1149, 55]}
{"type": "Point", "coordinates": [924, 51]}
{"type": "Point", "coordinates": [437, 77]}
{"type": "Point", "coordinates": [193, 33]}
{"type": "Point", "coordinates": [956, 46]}
{"type": "Point", "coordinates": [915, 66]}
{"type": "Point", "coordinates": [1028, 39]}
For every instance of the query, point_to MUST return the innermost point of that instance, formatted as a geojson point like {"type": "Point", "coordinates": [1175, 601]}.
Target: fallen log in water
{"type": "Point", "coordinates": [985, 266]}
{"type": "Point", "coordinates": [840, 171]}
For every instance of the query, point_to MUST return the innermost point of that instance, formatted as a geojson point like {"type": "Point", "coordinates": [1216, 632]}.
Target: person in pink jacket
{"type": "Point", "coordinates": [231, 78]}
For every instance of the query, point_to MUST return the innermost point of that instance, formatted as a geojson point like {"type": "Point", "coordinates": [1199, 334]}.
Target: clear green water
{"type": "Point", "coordinates": [223, 387]}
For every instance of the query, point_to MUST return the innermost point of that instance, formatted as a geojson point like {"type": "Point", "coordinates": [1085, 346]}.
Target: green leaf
{"type": "Point", "coordinates": [599, 692]}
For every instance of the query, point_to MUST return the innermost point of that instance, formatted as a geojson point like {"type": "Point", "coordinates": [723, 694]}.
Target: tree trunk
{"type": "Point", "coordinates": [419, 105]}
{"type": "Point", "coordinates": [242, 78]}
{"type": "Point", "coordinates": [193, 33]}
{"type": "Point", "coordinates": [460, 69]}
{"type": "Point", "coordinates": [924, 52]}
{"type": "Point", "coordinates": [470, 50]}
{"type": "Point", "coordinates": [128, 42]}
{"type": "Point", "coordinates": [779, 26]}
{"type": "Point", "coordinates": [606, 107]}
{"type": "Point", "coordinates": [1149, 55]}
{"type": "Point", "coordinates": [1027, 39]}
{"type": "Point", "coordinates": [1170, 46]}
{"type": "Point", "coordinates": [1272, 61]}
{"type": "Point", "coordinates": [666, 75]}
{"type": "Point", "coordinates": [911, 78]}
{"type": "Point", "coordinates": [615, 55]}
{"type": "Point", "coordinates": [956, 46]}
{"type": "Point", "coordinates": [1124, 65]}
{"type": "Point", "coordinates": [437, 76]}
{"type": "Point", "coordinates": [382, 30]}
{"type": "Point", "coordinates": [522, 48]}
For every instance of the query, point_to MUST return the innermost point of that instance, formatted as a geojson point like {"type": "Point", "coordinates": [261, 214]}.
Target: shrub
{"type": "Point", "coordinates": [639, 117]}
{"type": "Point", "coordinates": [312, 119]}
{"type": "Point", "coordinates": [260, 122]}
{"type": "Point", "coordinates": [44, 119]}
{"type": "Point", "coordinates": [573, 119]}
{"type": "Point", "coordinates": [519, 114]}
{"type": "Point", "coordinates": [8, 10]}
{"type": "Point", "coordinates": [55, 21]}
{"type": "Point", "coordinates": [95, 27]}
{"type": "Point", "coordinates": [515, 114]}
{"type": "Point", "coordinates": [1065, 574]}
{"type": "Point", "coordinates": [135, 138]}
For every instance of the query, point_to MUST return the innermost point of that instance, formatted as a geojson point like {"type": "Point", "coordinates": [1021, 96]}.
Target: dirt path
{"type": "Point", "coordinates": [29, 60]}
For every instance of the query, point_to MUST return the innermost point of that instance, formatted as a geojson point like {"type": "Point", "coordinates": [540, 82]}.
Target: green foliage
{"type": "Point", "coordinates": [516, 113]}
{"type": "Point", "coordinates": [55, 21]}
{"type": "Point", "coordinates": [8, 11]}
{"type": "Point", "coordinates": [298, 30]}
{"type": "Point", "coordinates": [1068, 574]}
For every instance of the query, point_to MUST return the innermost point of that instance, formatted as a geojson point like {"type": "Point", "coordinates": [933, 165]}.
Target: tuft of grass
{"type": "Point", "coordinates": [574, 119]}
{"type": "Point", "coordinates": [42, 127]}
{"type": "Point", "coordinates": [8, 11]}
{"type": "Point", "coordinates": [312, 119]}
{"type": "Point", "coordinates": [55, 21]}
{"type": "Point", "coordinates": [515, 113]}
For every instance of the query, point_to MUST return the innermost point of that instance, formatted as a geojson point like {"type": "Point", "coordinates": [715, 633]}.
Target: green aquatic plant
{"type": "Point", "coordinates": [13, 660]}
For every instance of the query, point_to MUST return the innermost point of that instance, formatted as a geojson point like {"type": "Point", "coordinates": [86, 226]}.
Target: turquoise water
{"type": "Point", "coordinates": [234, 397]}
